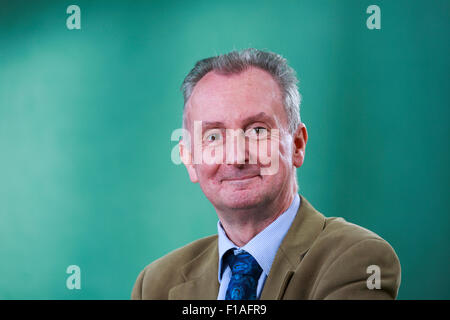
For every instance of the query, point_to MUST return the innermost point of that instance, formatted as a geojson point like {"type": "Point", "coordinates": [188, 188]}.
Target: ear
{"type": "Point", "coordinates": [300, 138]}
{"type": "Point", "coordinates": [186, 158]}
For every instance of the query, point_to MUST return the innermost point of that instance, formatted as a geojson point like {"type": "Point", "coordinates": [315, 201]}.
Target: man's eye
{"type": "Point", "coordinates": [213, 137]}
{"type": "Point", "coordinates": [257, 133]}
{"type": "Point", "coordinates": [260, 130]}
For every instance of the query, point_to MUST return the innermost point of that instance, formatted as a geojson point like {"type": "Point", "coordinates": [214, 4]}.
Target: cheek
{"type": "Point", "coordinates": [286, 151]}
{"type": "Point", "coordinates": [206, 173]}
{"type": "Point", "coordinates": [274, 149]}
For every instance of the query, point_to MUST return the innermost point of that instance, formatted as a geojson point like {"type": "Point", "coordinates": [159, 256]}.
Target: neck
{"type": "Point", "coordinates": [242, 225]}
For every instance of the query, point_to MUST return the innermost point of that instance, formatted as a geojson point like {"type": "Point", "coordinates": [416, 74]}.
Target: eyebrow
{"type": "Point", "coordinates": [212, 124]}
{"type": "Point", "coordinates": [262, 116]}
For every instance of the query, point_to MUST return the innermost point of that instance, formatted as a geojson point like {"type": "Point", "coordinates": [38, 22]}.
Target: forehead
{"type": "Point", "coordinates": [228, 98]}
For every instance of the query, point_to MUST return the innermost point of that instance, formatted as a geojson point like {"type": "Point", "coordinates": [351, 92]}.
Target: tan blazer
{"type": "Point", "coordinates": [320, 258]}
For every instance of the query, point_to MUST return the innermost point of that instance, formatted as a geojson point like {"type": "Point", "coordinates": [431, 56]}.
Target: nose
{"type": "Point", "coordinates": [236, 147]}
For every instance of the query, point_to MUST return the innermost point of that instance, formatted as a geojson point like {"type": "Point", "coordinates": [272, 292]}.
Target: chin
{"type": "Point", "coordinates": [242, 199]}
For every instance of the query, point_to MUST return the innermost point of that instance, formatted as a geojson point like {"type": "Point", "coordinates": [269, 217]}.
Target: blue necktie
{"type": "Point", "coordinates": [245, 273]}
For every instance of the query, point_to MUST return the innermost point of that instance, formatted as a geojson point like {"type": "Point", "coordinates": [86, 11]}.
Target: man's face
{"type": "Point", "coordinates": [250, 101]}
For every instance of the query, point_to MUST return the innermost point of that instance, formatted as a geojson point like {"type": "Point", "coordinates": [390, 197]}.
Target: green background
{"type": "Point", "coordinates": [86, 117]}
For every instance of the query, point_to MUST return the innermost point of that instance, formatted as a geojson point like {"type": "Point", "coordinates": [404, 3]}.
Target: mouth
{"type": "Point", "coordinates": [241, 179]}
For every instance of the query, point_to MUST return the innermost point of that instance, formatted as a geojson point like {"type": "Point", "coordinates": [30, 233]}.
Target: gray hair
{"type": "Point", "coordinates": [235, 62]}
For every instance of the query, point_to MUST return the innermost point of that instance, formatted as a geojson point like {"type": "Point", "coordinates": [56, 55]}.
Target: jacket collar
{"type": "Point", "coordinates": [200, 274]}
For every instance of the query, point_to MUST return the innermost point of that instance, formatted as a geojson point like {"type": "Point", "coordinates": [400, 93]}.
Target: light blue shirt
{"type": "Point", "coordinates": [263, 247]}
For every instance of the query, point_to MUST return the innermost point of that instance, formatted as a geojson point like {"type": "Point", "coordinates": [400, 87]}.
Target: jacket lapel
{"type": "Point", "coordinates": [201, 277]}
{"type": "Point", "coordinates": [305, 228]}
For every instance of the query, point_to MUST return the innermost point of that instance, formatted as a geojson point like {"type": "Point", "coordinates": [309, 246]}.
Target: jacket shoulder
{"type": "Point", "coordinates": [180, 256]}
{"type": "Point", "coordinates": [339, 235]}
{"type": "Point", "coordinates": [350, 250]}
{"type": "Point", "coordinates": [342, 232]}
{"type": "Point", "coordinates": [156, 279]}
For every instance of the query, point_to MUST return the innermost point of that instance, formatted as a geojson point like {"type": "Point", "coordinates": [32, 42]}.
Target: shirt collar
{"type": "Point", "coordinates": [264, 246]}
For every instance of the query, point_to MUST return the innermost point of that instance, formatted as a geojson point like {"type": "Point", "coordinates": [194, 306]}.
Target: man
{"type": "Point", "coordinates": [271, 242]}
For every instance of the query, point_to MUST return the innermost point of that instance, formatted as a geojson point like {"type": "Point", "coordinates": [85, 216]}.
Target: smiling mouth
{"type": "Point", "coordinates": [244, 178]}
